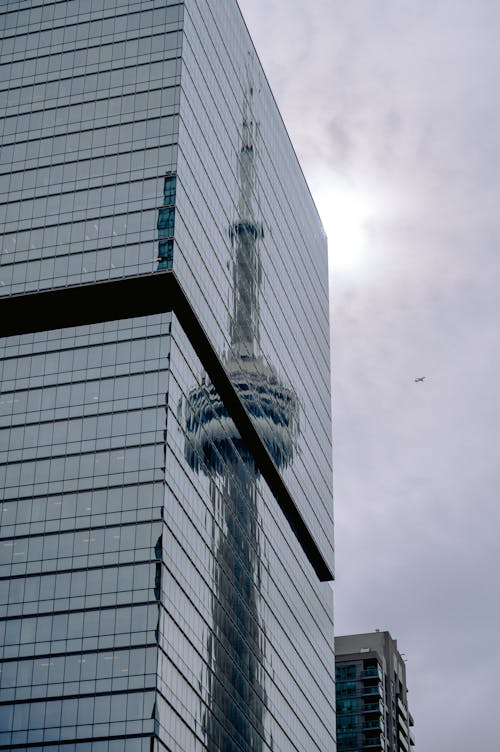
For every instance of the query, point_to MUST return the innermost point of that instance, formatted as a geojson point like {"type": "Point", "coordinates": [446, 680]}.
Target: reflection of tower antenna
{"type": "Point", "coordinates": [245, 234]}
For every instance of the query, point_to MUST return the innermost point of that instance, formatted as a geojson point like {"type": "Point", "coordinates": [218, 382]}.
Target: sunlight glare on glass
{"type": "Point", "coordinates": [345, 214]}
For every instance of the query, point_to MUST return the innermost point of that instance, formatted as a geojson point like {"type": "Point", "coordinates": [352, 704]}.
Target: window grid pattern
{"type": "Point", "coordinates": [89, 107]}
{"type": "Point", "coordinates": [82, 434]}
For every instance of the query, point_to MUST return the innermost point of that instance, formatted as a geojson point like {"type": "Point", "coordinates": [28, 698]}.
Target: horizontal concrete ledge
{"type": "Point", "coordinates": [78, 305]}
{"type": "Point", "coordinates": [144, 295]}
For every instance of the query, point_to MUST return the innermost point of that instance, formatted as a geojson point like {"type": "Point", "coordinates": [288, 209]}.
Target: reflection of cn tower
{"type": "Point", "coordinates": [236, 693]}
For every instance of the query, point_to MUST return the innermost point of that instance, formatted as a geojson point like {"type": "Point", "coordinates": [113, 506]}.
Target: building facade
{"type": "Point", "coordinates": [166, 516]}
{"type": "Point", "coordinates": [372, 696]}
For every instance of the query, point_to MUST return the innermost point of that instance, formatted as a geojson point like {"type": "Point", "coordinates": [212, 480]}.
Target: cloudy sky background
{"type": "Point", "coordinates": [393, 107]}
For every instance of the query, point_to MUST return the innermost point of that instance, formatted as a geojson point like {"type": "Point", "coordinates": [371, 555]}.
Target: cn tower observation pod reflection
{"type": "Point", "coordinates": [234, 716]}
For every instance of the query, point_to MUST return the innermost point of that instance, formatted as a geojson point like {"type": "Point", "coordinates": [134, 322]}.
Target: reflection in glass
{"type": "Point", "coordinates": [236, 700]}
{"type": "Point", "coordinates": [165, 224]}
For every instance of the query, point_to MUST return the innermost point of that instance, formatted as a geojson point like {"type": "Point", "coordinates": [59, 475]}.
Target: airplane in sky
{"type": "Point", "coordinates": [419, 378]}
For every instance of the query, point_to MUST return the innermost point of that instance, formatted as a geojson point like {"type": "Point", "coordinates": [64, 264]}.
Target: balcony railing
{"type": "Point", "coordinates": [403, 742]}
{"type": "Point", "coordinates": [373, 742]}
{"type": "Point", "coordinates": [374, 672]}
{"type": "Point", "coordinates": [402, 722]}
{"type": "Point", "coordinates": [376, 723]}
{"type": "Point", "coordinates": [402, 708]}
{"type": "Point", "coordinates": [373, 690]}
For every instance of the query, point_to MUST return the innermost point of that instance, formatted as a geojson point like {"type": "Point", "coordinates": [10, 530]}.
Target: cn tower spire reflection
{"type": "Point", "coordinates": [234, 717]}
{"type": "Point", "coordinates": [245, 235]}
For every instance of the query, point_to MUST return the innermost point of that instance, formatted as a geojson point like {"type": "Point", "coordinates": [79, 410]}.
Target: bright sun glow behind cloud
{"type": "Point", "coordinates": [346, 215]}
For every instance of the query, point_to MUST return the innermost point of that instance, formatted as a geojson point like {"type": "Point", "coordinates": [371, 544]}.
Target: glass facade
{"type": "Point", "coordinates": [90, 99]}
{"type": "Point", "coordinates": [154, 594]}
{"type": "Point", "coordinates": [83, 422]}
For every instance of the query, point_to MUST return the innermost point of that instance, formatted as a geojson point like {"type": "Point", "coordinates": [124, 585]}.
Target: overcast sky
{"type": "Point", "coordinates": [394, 109]}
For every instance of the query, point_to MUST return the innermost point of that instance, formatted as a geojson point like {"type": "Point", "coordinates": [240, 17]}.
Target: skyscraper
{"type": "Point", "coordinates": [372, 695]}
{"type": "Point", "coordinates": [166, 522]}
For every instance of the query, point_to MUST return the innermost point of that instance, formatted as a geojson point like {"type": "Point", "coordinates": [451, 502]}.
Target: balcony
{"type": "Point", "coordinates": [402, 708]}
{"type": "Point", "coordinates": [403, 742]}
{"type": "Point", "coordinates": [373, 672]}
{"type": "Point", "coordinates": [412, 738]}
{"type": "Point", "coordinates": [373, 690]}
{"type": "Point", "coordinates": [373, 707]}
{"type": "Point", "coordinates": [402, 723]}
{"type": "Point", "coordinates": [373, 742]}
{"type": "Point", "coordinates": [375, 723]}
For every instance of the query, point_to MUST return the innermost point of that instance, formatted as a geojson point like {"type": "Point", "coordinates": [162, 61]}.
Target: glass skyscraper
{"type": "Point", "coordinates": [165, 437]}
